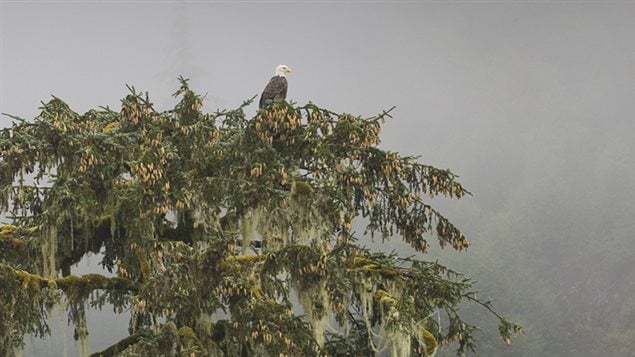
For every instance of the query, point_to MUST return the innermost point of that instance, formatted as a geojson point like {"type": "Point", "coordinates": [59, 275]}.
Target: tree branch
{"type": "Point", "coordinates": [120, 346]}
{"type": "Point", "coordinates": [75, 287]}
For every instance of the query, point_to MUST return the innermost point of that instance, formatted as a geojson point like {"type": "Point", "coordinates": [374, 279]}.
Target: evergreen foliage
{"type": "Point", "coordinates": [214, 222]}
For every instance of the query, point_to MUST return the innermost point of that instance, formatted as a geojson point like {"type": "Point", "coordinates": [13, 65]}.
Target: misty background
{"type": "Point", "coordinates": [531, 103]}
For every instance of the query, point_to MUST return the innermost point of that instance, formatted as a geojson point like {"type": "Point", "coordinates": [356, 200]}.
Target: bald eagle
{"type": "Point", "coordinates": [276, 88]}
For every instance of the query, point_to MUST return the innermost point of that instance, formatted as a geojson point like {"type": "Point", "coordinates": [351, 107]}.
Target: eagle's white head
{"type": "Point", "coordinates": [281, 70]}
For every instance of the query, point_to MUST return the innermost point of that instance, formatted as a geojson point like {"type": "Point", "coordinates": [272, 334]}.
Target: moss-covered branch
{"type": "Point", "coordinates": [76, 288]}
{"type": "Point", "coordinates": [15, 237]}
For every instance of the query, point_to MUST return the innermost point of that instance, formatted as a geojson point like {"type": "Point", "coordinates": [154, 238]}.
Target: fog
{"type": "Point", "coordinates": [531, 104]}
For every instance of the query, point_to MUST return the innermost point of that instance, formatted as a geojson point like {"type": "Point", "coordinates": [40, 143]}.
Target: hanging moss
{"type": "Point", "coordinates": [81, 334]}
{"type": "Point", "coordinates": [188, 338]}
{"type": "Point", "coordinates": [428, 341]}
{"type": "Point", "coordinates": [301, 189]}
{"type": "Point", "coordinates": [247, 231]}
{"type": "Point", "coordinates": [49, 251]}
{"type": "Point", "coordinates": [314, 301]}
{"type": "Point", "coordinates": [386, 299]}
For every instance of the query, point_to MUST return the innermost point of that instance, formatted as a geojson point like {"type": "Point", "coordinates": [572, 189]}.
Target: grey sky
{"type": "Point", "coordinates": [510, 95]}
{"type": "Point", "coordinates": [451, 69]}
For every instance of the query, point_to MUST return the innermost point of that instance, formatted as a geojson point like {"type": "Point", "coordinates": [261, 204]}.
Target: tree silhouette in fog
{"type": "Point", "coordinates": [214, 223]}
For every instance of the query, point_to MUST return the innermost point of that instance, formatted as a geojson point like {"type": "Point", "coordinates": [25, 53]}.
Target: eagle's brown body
{"type": "Point", "coordinates": [276, 88]}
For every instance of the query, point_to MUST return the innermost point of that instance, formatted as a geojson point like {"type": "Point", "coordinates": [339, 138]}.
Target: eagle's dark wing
{"type": "Point", "coordinates": [276, 88]}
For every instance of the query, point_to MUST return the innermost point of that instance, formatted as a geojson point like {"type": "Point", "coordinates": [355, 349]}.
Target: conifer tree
{"type": "Point", "coordinates": [213, 224]}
